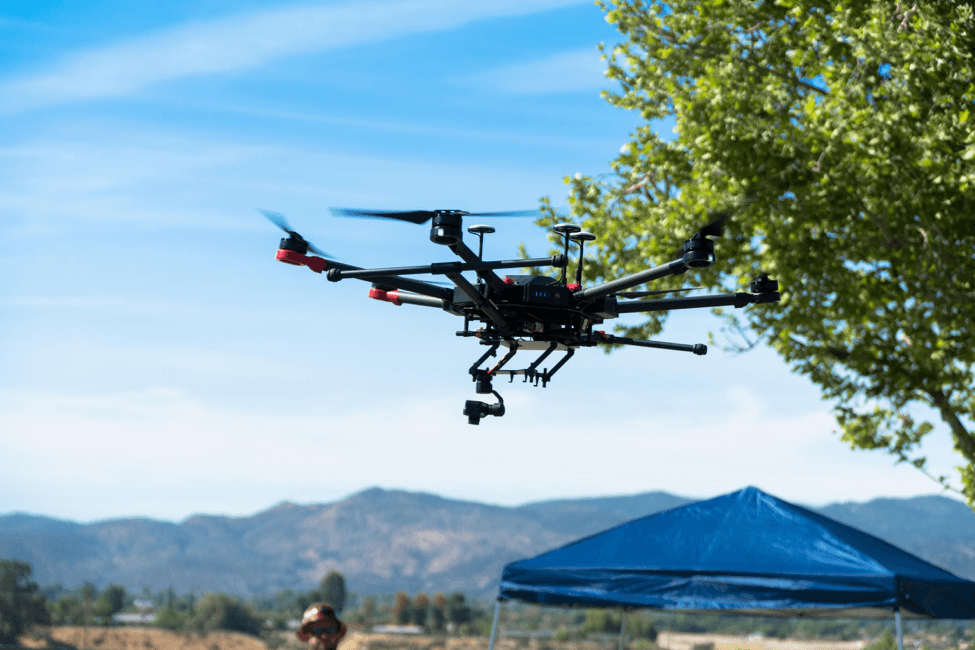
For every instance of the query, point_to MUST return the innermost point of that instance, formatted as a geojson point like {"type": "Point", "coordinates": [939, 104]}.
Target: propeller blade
{"type": "Point", "coordinates": [716, 227]}
{"type": "Point", "coordinates": [657, 292]}
{"type": "Point", "coordinates": [413, 216]}
{"type": "Point", "coordinates": [506, 213]}
{"type": "Point", "coordinates": [278, 220]}
{"type": "Point", "coordinates": [422, 216]}
{"type": "Point", "coordinates": [317, 251]}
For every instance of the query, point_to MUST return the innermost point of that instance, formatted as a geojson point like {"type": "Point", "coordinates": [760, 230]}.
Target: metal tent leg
{"type": "Point", "coordinates": [494, 625]}
{"type": "Point", "coordinates": [900, 629]}
{"type": "Point", "coordinates": [623, 627]}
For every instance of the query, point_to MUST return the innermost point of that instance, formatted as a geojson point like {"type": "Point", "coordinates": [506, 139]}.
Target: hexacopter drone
{"type": "Point", "coordinates": [523, 312]}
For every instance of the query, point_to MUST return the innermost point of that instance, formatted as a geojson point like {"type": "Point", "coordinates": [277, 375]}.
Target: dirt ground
{"type": "Point", "coordinates": [130, 638]}
{"type": "Point", "coordinates": [675, 641]}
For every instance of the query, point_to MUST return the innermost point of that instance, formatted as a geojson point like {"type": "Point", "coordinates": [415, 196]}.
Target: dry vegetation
{"type": "Point", "coordinates": [120, 638]}
{"type": "Point", "coordinates": [130, 638]}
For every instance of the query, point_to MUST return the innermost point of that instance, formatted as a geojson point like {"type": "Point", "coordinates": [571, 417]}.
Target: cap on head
{"type": "Point", "coordinates": [318, 612]}
{"type": "Point", "coordinates": [316, 615]}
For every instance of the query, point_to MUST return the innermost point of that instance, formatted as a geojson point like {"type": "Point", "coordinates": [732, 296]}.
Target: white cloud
{"type": "Point", "coordinates": [172, 178]}
{"type": "Point", "coordinates": [572, 71]}
{"type": "Point", "coordinates": [241, 42]}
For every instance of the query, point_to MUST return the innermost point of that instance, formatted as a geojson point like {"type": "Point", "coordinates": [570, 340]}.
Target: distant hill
{"type": "Point", "coordinates": [387, 540]}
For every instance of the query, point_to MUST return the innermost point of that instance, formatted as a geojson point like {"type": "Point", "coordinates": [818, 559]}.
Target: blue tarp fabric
{"type": "Point", "coordinates": [742, 553]}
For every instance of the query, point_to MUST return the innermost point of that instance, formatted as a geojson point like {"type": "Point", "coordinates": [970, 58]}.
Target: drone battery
{"type": "Point", "coordinates": [555, 295]}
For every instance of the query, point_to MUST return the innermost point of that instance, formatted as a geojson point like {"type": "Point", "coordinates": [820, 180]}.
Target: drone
{"type": "Point", "coordinates": [537, 313]}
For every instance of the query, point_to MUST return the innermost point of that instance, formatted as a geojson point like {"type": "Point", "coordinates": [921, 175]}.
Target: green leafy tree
{"type": "Point", "coordinates": [332, 590]}
{"type": "Point", "coordinates": [840, 137]}
{"type": "Point", "coordinates": [458, 611]}
{"type": "Point", "coordinates": [21, 604]}
{"type": "Point", "coordinates": [170, 619]}
{"type": "Point", "coordinates": [601, 621]}
{"type": "Point", "coordinates": [367, 611]}
{"type": "Point", "coordinates": [111, 601]}
{"type": "Point", "coordinates": [222, 612]}
{"type": "Point", "coordinates": [67, 610]}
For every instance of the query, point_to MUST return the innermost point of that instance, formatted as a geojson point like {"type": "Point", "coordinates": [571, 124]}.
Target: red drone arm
{"type": "Point", "coordinates": [316, 264]}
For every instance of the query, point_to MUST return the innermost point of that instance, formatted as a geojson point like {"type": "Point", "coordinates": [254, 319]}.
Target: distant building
{"type": "Point", "coordinates": [134, 618]}
{"type": "Point", "coordinates": [397, 629]}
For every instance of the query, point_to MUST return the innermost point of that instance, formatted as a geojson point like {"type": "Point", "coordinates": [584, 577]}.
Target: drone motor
{"type": "Point", "coordinates": [698, 253]}
{"type": "Point", "coordinates": [445, 229]}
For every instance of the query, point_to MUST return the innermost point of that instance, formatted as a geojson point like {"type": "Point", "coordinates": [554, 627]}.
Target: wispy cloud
{"type": "Point", "coordinates": [8, 23]}
{"type": "Point", "coordinates": [246, 41]}
{"type": "Point", "coordinates": [170, 178]}
{"type": "Point", "coordinates": [571, 71]}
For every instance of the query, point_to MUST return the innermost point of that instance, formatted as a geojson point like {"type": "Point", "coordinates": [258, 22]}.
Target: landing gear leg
{"type": "Point", "coordinates": [475, 410]}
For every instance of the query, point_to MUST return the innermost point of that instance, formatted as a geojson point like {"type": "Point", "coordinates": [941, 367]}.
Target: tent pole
{"type": "Point", "coordinates": [900, 629]}
{"type": "Point", "coordinates": [494, 625]}
{"type": "Point", "coordinates": [623, 627]}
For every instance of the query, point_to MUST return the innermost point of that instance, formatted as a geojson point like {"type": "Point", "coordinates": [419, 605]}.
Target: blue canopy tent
{"type": "Point", "coordinates": [742, 553]}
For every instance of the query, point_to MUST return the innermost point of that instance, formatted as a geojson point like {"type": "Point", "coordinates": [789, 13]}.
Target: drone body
{"type": "Point", "coordinates": [522, 312]}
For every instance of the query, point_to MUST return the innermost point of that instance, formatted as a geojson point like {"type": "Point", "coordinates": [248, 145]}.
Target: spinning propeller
{"type": "Point", "coordinates": [445, 226]}
{"type": "Point", "coordinates": [715, 228]}
{"type": "Point", "coordinates": [297, 242]}
{"type": "Point", "coordinates": [422, 216]}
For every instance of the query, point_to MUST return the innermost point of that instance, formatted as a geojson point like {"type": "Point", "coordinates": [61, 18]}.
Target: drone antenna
{"type": "Point", "coordinates": [581, 238]}
{"type": "Point", "coordinates": [565, 230]}
{"type": "Point", "coordinates": [480, 230]}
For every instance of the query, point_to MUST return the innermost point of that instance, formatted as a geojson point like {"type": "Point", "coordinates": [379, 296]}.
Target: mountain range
{"type": "Point", "coordinates": [390, 540]}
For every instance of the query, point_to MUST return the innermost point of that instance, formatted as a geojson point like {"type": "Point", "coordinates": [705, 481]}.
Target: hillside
{"type": "Point", "coordinates": [387, 540]}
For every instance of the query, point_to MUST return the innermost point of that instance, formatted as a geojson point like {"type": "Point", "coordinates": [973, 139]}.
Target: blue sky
{"type": "Point", "coordinates": [157, 361]}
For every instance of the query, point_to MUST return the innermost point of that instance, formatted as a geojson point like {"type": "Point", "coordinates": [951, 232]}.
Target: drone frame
{"type": "Point", "coordinates": [503, 317]}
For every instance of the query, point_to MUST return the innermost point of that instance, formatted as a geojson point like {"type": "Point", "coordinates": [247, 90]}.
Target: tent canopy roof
{"type": "Point", "coordinates": [744, 552]}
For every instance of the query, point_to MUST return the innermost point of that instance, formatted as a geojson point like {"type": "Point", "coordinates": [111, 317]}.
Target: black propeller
{"type": "Point", "coordinates": [657, 292]}
{"type": "Point", "coordinates": [716, 227]}
{"type": "Point", "coordinates": [422, 216]}
{"type": "Point", "coordinates": [713, 229]}
{"type": "Point", "coordinates": [278, 220]}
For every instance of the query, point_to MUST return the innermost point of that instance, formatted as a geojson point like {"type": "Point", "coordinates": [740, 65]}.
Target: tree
{"type": "Point", "coordinates": [222, 612]}
{"type": "Point", "coordinates": [421, 605]}
{"type": "Point", "coordinates": [170, 619]}
{"type": "Point", "coordinates": [332, 590]}
{"type": "Point", "coordinates": [111, 601]}
{"type": "Point", "coordinates": [21, 604]}
{"type": "Point", "coordinates": [839, 135]}
{"type": "Point", "coordinates": [601, 621]}
{"type": "Point", "coordinates": [458, 611]}
{"type": "Point", "coordinates": [401, 608]}
{"type": "Point", "coordinates": [438, 613]}
{"type": "Point", "coordinates": [67, 610]}
{"type": "Point", "coordinates": [368, 611]}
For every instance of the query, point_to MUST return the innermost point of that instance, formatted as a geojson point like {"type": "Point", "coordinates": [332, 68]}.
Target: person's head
{"type": "Point", "coordinates": [321, 627]}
